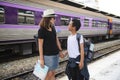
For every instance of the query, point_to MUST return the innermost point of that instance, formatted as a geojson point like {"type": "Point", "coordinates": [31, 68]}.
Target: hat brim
{"type": "Point", "coordinates": [52, 15]}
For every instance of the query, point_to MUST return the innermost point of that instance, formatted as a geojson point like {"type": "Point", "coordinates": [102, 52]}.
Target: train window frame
{"type": "Point", "coordinates": [97, 23]}
{"type": "Point", "coordinates": [66, 21]}
{"type": "Point", "coordinates": [76, 18]}
{"type": "Point", "coordinates": [101, 24]}
{"type": "Point", "coordinates": [93, 23]}
{"type": "Point", "coordinates": [86, 22]}
{"type": "Point", "coordinates": [113, 25]}
{"type": "Point", "coordinates": [57, 20]}
{"type": "Point", "coordinates": [3, 13]}
{"type": "Point", "coordinates": [116, 25]}
{"type": "Point", "coordinates": [26, 15]}
{"type": "Point", "coordinates": [104, 24]}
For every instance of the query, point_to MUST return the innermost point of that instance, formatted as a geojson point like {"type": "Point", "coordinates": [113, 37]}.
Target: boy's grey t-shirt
{"type": "Point", "coordinates": [72, 46]}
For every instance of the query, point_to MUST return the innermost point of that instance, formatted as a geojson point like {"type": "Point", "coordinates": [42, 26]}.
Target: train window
{"type": "Point", "coordinates": [113, 25]}
{"type": "Point", "coordinates": [64, 20]}
{"type": "Point", "coordinates": [117, 26]}
{"type": "Point", "coordinates": [96, 23]}
{"type": "Point", "coordinates": [99, 24]}
{"type": "Point", "coordinates": [104, 24]}
{"type": "Point", "coordinates": [25, 17]}
{"type": "Point", "coordinates": [86, 22]}
{"type": "Point", "coordinates": [2, 15]}
{"type": "Point", "coordinates": [93, 23]}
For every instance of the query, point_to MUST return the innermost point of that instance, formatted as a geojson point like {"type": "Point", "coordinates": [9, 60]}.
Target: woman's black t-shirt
{"type": "Point", "coordinates": [49, 44]}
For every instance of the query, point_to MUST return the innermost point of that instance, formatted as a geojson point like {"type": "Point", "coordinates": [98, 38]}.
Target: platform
{"type": "Point", "coordinates": [107, 68]}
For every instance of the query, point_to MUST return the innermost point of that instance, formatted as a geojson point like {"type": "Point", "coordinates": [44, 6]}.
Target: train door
{"type": "Point", "coordinates": [109, 27]}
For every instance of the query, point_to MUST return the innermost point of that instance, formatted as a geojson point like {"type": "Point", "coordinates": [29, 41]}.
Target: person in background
{"type": "Point", "coordinates": [49, 45]}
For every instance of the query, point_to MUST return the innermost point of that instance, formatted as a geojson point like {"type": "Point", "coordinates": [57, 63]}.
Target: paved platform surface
{"type": "Point", "coordinates": [106, 68]}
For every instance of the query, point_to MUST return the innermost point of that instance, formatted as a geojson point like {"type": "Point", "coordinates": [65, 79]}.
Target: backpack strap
{"type": "Point", "coordinates": [78, 37]}
{"type": "Point", "coordinates": [36, 40]}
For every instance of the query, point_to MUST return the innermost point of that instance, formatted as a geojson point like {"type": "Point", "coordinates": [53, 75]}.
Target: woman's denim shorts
{"type": "Point", "coordinates": [52, 61]}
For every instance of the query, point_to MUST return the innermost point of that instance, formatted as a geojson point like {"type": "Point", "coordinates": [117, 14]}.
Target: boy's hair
{"type": "Point", "coordinates": [76, 23]}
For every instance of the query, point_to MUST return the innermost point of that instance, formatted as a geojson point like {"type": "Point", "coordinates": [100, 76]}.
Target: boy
{"type": "Point", "coordinates": [73, 69]}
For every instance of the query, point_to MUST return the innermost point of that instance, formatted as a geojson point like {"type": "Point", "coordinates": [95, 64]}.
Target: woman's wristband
{"type": "Point", "coordinates": [60, 50]}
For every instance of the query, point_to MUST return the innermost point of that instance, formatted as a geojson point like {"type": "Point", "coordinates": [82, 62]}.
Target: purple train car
{"type": "Point", "coordinates": [19, 22]}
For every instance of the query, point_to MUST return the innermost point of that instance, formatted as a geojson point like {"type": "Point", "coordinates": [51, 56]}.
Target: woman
{"type": "Point", "coordinates": [49, 45]}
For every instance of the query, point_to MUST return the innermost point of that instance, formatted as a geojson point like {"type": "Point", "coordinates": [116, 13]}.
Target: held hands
{"type": "Point", "coordinates": [63, 54]}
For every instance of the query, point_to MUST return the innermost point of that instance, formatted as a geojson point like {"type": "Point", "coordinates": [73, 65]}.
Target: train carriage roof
{"type": "Point", "coordinates": [45, 4]}
{"type": "Point", "coordinates": [67, 8]}
{"type": "Point", "coordinates": [116, 20]}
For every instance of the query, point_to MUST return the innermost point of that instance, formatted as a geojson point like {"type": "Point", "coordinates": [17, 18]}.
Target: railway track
{"type": "Point", "coordinates": [26, 73]}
